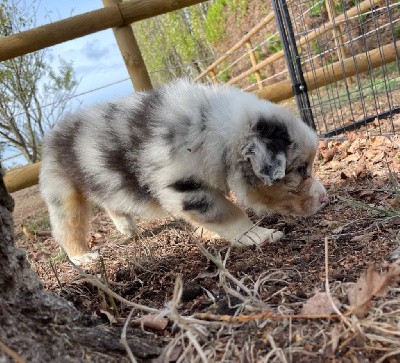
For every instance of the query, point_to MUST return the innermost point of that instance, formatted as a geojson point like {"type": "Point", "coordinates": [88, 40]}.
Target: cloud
{"type": "Point", "coordinates": [94, 51]}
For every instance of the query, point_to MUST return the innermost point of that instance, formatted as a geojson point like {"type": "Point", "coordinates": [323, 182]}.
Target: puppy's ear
{"type": "Point", "coordinates": [266, 150]}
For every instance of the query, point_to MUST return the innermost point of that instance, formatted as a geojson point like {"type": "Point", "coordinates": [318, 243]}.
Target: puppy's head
{"type": "Point", "coordinates": [280, 150]}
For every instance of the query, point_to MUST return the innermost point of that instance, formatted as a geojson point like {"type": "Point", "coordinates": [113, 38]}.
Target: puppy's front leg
{"type": "Point", "coordinates": [210, 209]}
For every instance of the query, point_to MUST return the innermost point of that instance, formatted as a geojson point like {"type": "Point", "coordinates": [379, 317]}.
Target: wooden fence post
{"type": "Point", "coordinates": [253, 60]}
{"type": "Point", "coordinates": [131, 54]}
{"type": "Point", "coordinates": [337, 35]}
{"type": "Point", "coordinates": [213, 76]}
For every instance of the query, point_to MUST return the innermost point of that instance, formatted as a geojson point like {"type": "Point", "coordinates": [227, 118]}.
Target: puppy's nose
{"type": "Point", "coordinates": [323, 199]}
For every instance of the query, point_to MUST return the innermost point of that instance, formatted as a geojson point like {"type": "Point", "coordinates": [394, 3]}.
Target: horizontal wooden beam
{"type": "Point", "coordinates": [29, 175]}
{"type": "Point", "coordinates": [240, 43]}
{"type": "Point", "coordinates": [334, 72]}
{"type": "Point", "coordinates": [356, 10]}
{"type": "Point", "coordinates": [21, 178]}
{"type": "Point", "coordinates": [77, 26]}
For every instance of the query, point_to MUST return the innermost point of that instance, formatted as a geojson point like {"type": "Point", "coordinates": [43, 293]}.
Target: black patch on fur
{"type": "Point", "coordinates": [111, 109]}
{"type": "Point", "coordinates": [186, 121]}
{"type": "Point", "coordinates": [303, 171]}
{"type": "Point", "coordinates": [169, 136]}
{"type": "Point", "coordinates": [186, 185]}
{"type": "Point", "coordinates": [121, 157]}
{"type": "Point", "coordinates": [248, 174]}
{"type": "Point", "coordinates": [198, 203]}
{"type": "Point", "coordinates": [274, 133]}
{"type": "Point", "coordinates": [142, 117]}
{"type": "Point", "coordinates": [203, 118]}
{"type": "Point", "coordinates": [150, 101]}
{"type": "Point", "coordinates": [224, 161]}
{"type": "Point", "coordinates": [121, 161]}
{"type": "Point", "coordinates": [62, 142]}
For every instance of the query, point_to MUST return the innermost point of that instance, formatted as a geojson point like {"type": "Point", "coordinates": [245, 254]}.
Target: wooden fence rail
{"type": "Point", "coordinates": [211, 69]}
{"type": "Point", "coordinates": [334, 72]}
{"type": "Point", "coordinates": [22, 178]}
{"type": "Point", "coordinates": [27, 176]}
{"type": "Point", "coordinates": [113, 16]}
{"type": "Point", "coordinates": [116, 14]}
{"type": "Point", "coordinates": [329, 26]}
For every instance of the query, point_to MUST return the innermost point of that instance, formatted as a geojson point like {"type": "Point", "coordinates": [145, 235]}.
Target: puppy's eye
{"type": "Point", "coordinates": [302, 170]}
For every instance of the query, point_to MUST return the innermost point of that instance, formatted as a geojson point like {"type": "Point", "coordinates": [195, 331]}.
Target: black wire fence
{"type": "Point", "coordinates": [362, 41]}
{"type": "Point", "coordinates": [342, 58]}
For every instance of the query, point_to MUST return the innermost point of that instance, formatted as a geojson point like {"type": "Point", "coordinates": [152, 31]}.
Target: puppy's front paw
{"type": "Point", "coordinates": [85, 259]}
{"type": "Point", "coordinates": [257, 236]}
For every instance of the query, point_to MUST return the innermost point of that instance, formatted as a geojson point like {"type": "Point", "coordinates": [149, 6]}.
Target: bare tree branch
{"type": "Point", "coordinates": [27, 84]}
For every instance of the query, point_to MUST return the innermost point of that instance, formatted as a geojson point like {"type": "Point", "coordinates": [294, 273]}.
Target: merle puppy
{"type": "Point", "coordinates": [179, 150]}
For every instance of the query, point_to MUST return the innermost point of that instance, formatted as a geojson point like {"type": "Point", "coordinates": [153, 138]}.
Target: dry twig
{"type": "Point", "coordinates": [124, 340]}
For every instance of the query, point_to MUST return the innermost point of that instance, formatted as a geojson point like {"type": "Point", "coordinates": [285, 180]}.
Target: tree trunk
{"type": "Point", "coordinates": [39, 326]}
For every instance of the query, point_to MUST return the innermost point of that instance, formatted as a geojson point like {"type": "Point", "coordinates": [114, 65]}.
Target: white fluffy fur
{"type": "Point", "coordinates": [179, 150]}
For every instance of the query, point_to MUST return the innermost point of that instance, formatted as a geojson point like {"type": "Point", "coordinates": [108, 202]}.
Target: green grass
{"type": "Point", "coordinates": [393, 192]}
{"type": "Point", "coordinates": [316, 7]}
{"type": "Point", "coordinates": [252, 78]}
{"type": "Point", "coordinates": [339, 7]}
{"type": "Point", "coordinates": [274, 44]}
{"type": "Point", "coordinates": [382, 82]}
{"type": "Point", "coordinates": [225, 76]}
{"type": "Point", "coordinates": [317, 46]}
{"type": "Point", "coordinates": [215, 22]}
{"type": "Point", "coordinates": [40, 225]}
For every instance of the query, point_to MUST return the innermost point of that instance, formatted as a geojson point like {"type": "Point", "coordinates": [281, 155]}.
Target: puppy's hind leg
{"type": "Point", "coordinates": [69, 217]}
{"type": "Point", "coordinates": [123, 222]}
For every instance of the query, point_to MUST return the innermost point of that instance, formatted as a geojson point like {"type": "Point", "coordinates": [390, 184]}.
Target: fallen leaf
{"type": "Point", "coordinates": [394, 202]}
{"type": "Point", "coordinates": [365, 193]}
{"type": "Point", "coordinates": [352, 158]}
{"type": "Point", "coordinates": [150, 321]}
{"type": "Point", "coordinates": [344, 146]}
{"type": "Point", "coordinates": [323, 144]}
{"type": "Point", "coordinates": [361, 171]}
{"type": "Point", "coordinates": [364, 238]}
{"type": "Point", "coordinates": [320, 304]}
{"type": "Point", "coordinates": [351, 136]}
{"type": "Point", "coordinates": [380, 141]}
{"type": "Point", "coordinates": [26, 232]}
{"type": "Point", "coordinates": [328, 154]}
{"type": "Point", "coordinates": [371, 284]}
{"type": "Point", "coordinates": [378, 157]}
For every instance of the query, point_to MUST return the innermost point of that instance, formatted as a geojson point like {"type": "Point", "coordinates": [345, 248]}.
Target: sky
{"type": "Point", "coordinates": [95, 58]}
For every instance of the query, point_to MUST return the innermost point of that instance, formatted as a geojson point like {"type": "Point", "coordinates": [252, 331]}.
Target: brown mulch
{"type": "Point", "coordinates": [284, 275]}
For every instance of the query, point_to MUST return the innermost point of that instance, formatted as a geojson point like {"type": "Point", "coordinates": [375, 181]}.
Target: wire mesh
{"type": "Point", "coordinates": [367, 40]}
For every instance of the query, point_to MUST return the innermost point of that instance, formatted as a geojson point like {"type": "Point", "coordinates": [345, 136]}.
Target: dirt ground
{"type": "Point", "coordinates": [360, 174]}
